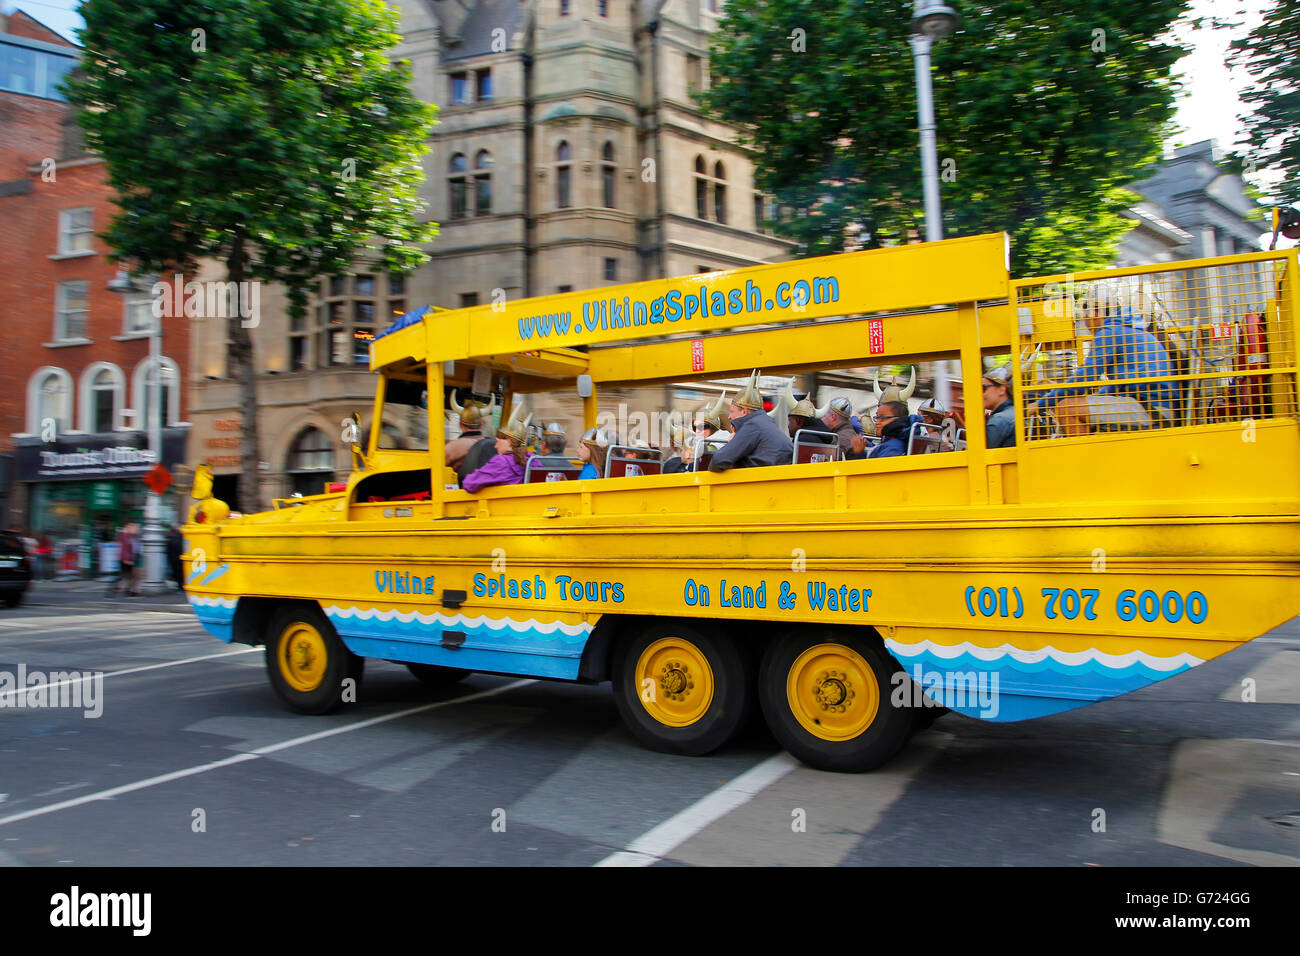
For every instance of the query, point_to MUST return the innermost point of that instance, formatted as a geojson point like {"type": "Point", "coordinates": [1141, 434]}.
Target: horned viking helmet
{"type": "Point", "coordinates": [716, 414]}
{"type": "Point", "coordinates": [892, 393]}
{"type": "Point", "coordinates": [472, 414]}
{"type": "Point", "coordinates": [785, 402]}
{"type": "Point", "coordinates": [516, 429]}
{"type": "Point", "coordinates": [749, 397]}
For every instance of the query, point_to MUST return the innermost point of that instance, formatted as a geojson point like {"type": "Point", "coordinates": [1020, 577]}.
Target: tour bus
{"type": "Point", "coordinates": [846, 600]}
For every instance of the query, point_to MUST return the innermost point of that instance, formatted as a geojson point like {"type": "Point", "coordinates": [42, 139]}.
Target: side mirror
{"type": "Point", "coordinates": [585, 386]}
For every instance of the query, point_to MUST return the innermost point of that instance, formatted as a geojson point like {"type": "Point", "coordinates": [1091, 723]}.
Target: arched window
{"type": "Point", "coordinates": [103, 390]}
{"type": "Point", "coordinates": [563, 176]}
{"type": "Point", "coordinates": [602, 7]}
{"type": "Point", "coordinates": [458, 185]}
{"type": "Point", "coordinates": [607, 170]}
{"type": "Point", "coordinates": [142, 380]}
{"type": "Point", "coordinates": [310, 463]}
{"type": "Point", "coordinates": [719, 193]}
{"type": "Point", "coordinates": [49, 398]}
{"type": "Point", "coordinates": [701, 190]}
{"type": "Point", "coordinates": [483, 183]}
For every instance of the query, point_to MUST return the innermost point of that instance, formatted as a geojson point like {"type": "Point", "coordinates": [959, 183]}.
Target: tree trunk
{"type": "Point", "coordinates": [244, 370]}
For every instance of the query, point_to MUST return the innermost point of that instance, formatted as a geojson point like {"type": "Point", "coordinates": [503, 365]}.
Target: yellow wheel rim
{"type": "Point", "coordinates": [832, 692]}
{"type": "Point", "coordinates": [302, 656]}
{"type": "Point", "coordinates": [674, 682]}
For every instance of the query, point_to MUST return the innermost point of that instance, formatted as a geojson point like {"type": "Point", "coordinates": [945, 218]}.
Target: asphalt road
{"type": "Point", "coordinates": [193, 761]}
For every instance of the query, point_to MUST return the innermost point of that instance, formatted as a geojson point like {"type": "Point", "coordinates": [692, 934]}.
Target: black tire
{"type": "Point", "coordinates": [13, 599]}
{"type": "Point", "coordinates": [436, 676]}
{"type": "Point", "coordinates": [310, 673]}
{"type": "Point", "coordinates": [859, 727]}
{"type": "Point", "coordinates": [677, 653]}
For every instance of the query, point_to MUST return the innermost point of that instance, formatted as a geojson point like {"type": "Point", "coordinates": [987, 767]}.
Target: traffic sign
{"type": "Point", "coordinates": [159, 479]}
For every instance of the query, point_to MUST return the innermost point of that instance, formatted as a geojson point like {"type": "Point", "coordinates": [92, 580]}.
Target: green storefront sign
{"type": "Point", "coordinates": [103, 496]}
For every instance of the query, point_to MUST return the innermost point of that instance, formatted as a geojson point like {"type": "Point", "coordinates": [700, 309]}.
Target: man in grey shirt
{"type": "Point", "coordinates": [757, 440]}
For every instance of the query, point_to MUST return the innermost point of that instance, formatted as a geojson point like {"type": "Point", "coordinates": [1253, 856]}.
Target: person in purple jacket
{"type": "Point", "coordinates": [507, 466]}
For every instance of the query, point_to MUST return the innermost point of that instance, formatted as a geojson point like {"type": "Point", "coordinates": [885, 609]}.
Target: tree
{"type": "Point", "coordinates": [274, 136]}
{"type": "Point", "coordinates": [1041, 118]}
{"type": "Point", "coordinates": [1271, 55]}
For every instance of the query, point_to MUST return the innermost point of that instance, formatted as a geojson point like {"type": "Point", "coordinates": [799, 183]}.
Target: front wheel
{"type": "Point", "coordinates": [827, 699]}
{"type": "Point", "coordinates": [309, 666]}
{"type": "Point", "coordinates": [681, 690]}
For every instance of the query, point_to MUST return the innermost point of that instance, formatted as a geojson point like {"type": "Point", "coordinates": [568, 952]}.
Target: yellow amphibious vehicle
{"type": "Point", "coordinates": [845, 597]}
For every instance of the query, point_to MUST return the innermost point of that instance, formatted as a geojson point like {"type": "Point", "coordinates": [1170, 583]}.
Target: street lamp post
{"type": "Point", "coordinates": [931, 20]}
{"type": "Point", "coordinates": [152, 540]}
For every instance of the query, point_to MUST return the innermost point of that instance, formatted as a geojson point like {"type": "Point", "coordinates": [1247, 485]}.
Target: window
{"type": "Point", "coordinates": [396, 284]}
{"type": "Point", "coordinates": [459, 187]}
{"type": "Point", "coordinates": [31, 71]}
{"type": "Point", "coordinates": [396, 306]}
{"type": "Point", "coordinates": [563, 173]}
{"type": "Point", "coordinates": [339, 285]}
{"type": "Point", "coordinates": [563, 288]}
{"type": "Point", "coordinates": [611, 270]}
{"type": "Point", "coordinates": [142, 382]}
{"type": "Point", "coordinates": [719, 193]}
{"type": "Point", "coordinates": [49, 397]}
{"type": "Point", "coordinates": [459, 89]}
{"type": "Point", "coordinates": [564, 8]}
{"type": "Point", "coordinates": [468, 299]}
{"type": "Point", "coordinates": [602, 7]}
{"type": "Point", "coordinates": [138, 317]}
{"type": "Point", "coordinates": [365, 284]}
{"type": "Point", "coordinates": [103, 399]}
{"type": "Point", "coordinates": [75, 232]}
{"type": "Point", "coordinates": [759, 213]}
{"type": "Point", "coordinates": [310, 462]}
{"type": "Point", "coordinates": [701, 190]}
{"type": "Point", "coordinates": [346, 324]}
{"type": "Point", "coordinates": [483, 85]}
{"type": "Point", "coordinates": [72, 311]}
{"type": "Point", "coordinates": [607, 173]}
{"type": "Point", "coordinates": [483, 183]}
{"type": "Point", "coordinates": [299, 359]}
{"type": "Point", "coordinates": [694, 73]}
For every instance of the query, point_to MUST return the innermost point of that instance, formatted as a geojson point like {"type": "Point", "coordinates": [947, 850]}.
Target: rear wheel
{"type": "Point", "coordinates": [307, 662]}
{"type": "Point", "coordinates": [14, 598]}
{"type": "Point", "coordinates": [827, 699]}
{"type": "Point", "coordinates": [681, 690]}
{"type": "Point", "coordinates": [436, 676]}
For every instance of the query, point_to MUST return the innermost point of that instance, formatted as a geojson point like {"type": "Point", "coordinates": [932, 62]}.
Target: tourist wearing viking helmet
{"type": "Point", "coordinates": [507, 467]}
{"type": "Point", "coordinates": [803, 416]}
{"type": "Point", "coordinates": [461, 452]}
{"type": "Point", "coordinates": [839, 419]}
{"type": "Point", "coordinates": [711, 421]}
{"type": "Point", "coordinates": [554, 439]}
{"type": "Point", "coordinates": [757, 440]}
{"type": "Point", "coordinates": [592, 448]}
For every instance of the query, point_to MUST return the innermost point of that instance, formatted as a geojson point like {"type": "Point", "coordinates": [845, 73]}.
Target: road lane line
{"type": "Point", "coordinates": [129, 670]}
{"type": "Point", "coordinates": [657, 843]}
{"type": "Point", "coordinates": [253, 754]}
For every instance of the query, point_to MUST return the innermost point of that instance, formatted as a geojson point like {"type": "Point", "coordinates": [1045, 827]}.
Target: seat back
{"type": "Point", "coordinates": [551, 468]}
{"type": "Point", "coordinates": [812, 447]}
{"type": "Point", "coordinates": [924, 438]}
{"type": "Point", "coordinates": [626, 461]}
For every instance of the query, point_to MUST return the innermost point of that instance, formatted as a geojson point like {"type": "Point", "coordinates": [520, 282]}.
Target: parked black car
{"type": "Point", "coordinates": [15, 569]}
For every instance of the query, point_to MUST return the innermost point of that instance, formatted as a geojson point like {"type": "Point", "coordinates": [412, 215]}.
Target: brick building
{"type": "Point", "coordinates": [76, 368]}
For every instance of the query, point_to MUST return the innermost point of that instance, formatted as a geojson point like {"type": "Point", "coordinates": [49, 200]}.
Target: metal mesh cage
{"type": "Point", "coordinates": [1157, 347]}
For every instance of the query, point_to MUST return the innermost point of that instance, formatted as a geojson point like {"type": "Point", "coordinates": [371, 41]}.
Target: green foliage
{"type": "Point", "coordinates": [282, 126]}
{"type": "Point", "coordinates": [1271, 55]}
{"type": "Point", "coordinates": [1043, 128]}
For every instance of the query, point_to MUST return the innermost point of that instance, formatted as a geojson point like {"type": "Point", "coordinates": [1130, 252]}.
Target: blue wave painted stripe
{"type": "Point", "coordinates": [216, 620]}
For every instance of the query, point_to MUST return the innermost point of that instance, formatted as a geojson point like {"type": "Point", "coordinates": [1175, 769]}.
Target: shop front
{"type": "Point", "coordinates": [81, 489]}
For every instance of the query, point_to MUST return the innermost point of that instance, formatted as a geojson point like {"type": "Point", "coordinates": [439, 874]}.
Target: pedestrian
{"type": "Point", "coordinates": [45, 556]}
{"type": "Point", "coordinates": [175, 545]}
{"type": "Point", "coordinates": [128, 543]}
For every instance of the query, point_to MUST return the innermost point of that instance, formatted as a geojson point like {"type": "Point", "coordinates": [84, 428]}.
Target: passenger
{"type": "Point", "coordinates": [757, 440]}
{"type": "Point", "coordinates": [1000, 431]}
{"type": "Point", "coordinates": [554, 439]}
{"type": "Point", "coordinates": [933, 415]}
{"type": "Point", "coordinates": [592, 448]}
{"type": "Point", "coordinates": [892, 423]}
{"type": "Point", "coordinates": [804, 416]}
{"type": "Point", "coordinates": [471, 450]}
{"type": "Point", "coordinates": [712, 422]}
{"type": "Point", "coordinates": [507, 467]}
{"type": "Point", "coordinates": [682, 454]}
{"type": "Point", "coordinates": [1119, 351]}
{"type": "Point", "coordinates": [839, 419]}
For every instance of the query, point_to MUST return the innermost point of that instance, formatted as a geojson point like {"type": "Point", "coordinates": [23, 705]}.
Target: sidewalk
{"type": "Point", "coordinates": [90, 594]}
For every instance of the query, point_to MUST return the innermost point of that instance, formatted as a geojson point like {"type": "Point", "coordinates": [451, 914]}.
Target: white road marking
{"type": "Point", "coordinates": [660, 841]}
{"type": "Point", "coordinates": [88, 675]}
{"type": "Point", "coordinates": [254, 754]}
